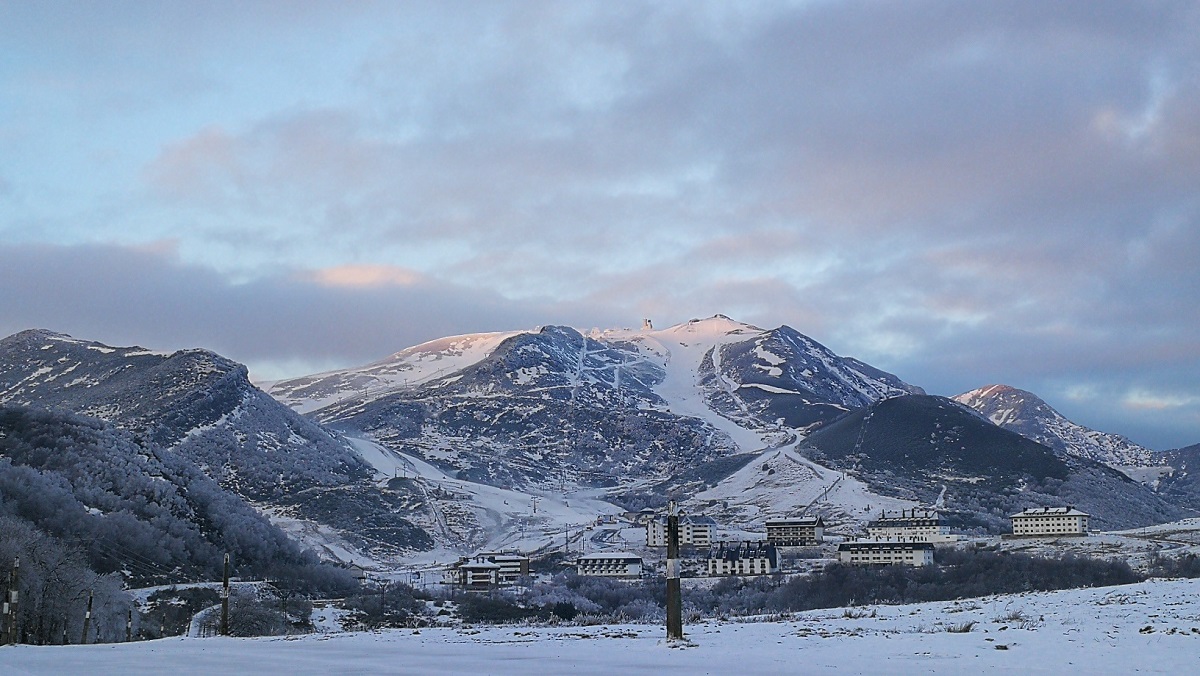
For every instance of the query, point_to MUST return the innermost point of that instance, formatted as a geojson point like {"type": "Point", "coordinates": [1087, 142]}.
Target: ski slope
{"type": "Point", "coordinates": [783, 484]}
{"type": "Point", "coordinates": [680, 350]}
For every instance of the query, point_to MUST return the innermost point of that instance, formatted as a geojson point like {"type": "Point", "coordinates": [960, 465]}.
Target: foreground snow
{"type": "Point", "coordinates": [1151, 627]}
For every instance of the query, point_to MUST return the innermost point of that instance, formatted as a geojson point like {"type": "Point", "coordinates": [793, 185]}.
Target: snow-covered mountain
{"type": "Point", "coordinates": [1031, 417]}
{"type": "Point", "coordinates": [554, 405]}
{"type": "Point", "coordinates": [1182, 482]}
{"type": "Point", "coordinates": [201, 407]}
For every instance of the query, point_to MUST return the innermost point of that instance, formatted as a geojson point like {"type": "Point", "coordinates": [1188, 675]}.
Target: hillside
{"type": "Point", "coordinates": [931, 450]}
{"type": "Point", "coordinates": [134, 507]}
{"type": "Point", "coordinates": [556, 407]}
{"type": "Point", "coordinates": [200, 407]}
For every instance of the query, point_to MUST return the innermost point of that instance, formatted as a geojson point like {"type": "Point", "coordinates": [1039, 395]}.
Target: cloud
{"type": "Point", "coordinates": [307, 320]}
{"type": "Point", "coordinates": [962, 193]}
{"type": "Point", "coordinates": [365, 276]}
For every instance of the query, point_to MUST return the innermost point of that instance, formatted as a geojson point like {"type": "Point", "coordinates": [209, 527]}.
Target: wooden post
{"type": "Point", "coordinates": [87, 620]}
{"type": "Point", "coordinates": [674, 601]}
{"type": "Point", "coordinates": [225, 600]}
{"type": "Point", "coordinates": [129, 627]}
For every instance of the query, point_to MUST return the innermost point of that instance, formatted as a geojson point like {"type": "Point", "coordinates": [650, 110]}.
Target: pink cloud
{"type": "Point", "coordinates": [366, 276]}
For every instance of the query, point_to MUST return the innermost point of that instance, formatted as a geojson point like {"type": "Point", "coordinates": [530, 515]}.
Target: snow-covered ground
{"type": "Point", "coordinates": [527, 522]}
{"type": "Point", "coordinates": [1136, 546]}
{"type": "Point", "coordinates": [1150, 627]}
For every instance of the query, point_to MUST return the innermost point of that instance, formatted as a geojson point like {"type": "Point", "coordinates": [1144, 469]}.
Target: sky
{"type": "Point", "coordinates": [960, 193]}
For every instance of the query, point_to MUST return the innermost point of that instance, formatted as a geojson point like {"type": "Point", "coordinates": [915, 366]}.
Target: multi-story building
{"type": "Point", "coordinates": [885, 552]}
{"type": "Point", "coordinates": [474, 573]}
{"type": "Point", "coordinates": [746, 558]}
{"type": "Point", "coordinates": [1052, 521]}
{"type": "Point", "coordinates": [916, 525]}
{"type": "Point", "coordinates": [696, 531]}
{"type": "Point", "coordinates": [610, 564]}
{"type": "Point", "coordinates": [801, 532]}
{"type": "Point", "coordinates": [489, 568]}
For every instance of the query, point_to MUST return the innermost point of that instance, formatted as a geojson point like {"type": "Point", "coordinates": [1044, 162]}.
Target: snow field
{"type": "Point", "coordinates": [1150, 627]}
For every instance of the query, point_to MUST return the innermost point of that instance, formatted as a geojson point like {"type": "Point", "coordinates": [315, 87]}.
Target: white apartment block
{"type": "Point", "coordinates": [489, 568]}
{"type": "Point", "coordinates": [696, 531]}
{"type": "Point", "coordinates": [802, 532]}
{"type": "Point", "coordinates": [910, 526]}
{"type": "Point", "coordinates": [610, 564]}
{"type": "Point", "coordinates": [1049, 521]}
{"type": "Point", "coordinates": [743, 559]}
{"type": "Point", "coordinates": [886, 553]}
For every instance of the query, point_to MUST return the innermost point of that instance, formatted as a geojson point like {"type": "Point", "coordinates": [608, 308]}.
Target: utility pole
{"type": "Point", "coordinates": [10, 606]}
{"type": "Point", "coordinates": [87, 620]}
{"type": "Point", "coordinates": [225, 599]}
{"type": "Point", "coordinates": [674, 602]}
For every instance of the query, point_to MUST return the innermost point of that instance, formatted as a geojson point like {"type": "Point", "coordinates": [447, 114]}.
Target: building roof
{"type": "Point", "coordinates": [745, 550]}
{"type": "Point", "coordinates": [883, 544]}
{"type": "Point", "coordinates": [1049, 511]}
{"type": "Point", "coordinates": [480, 565]}
{"type": "Point", "coordinates": [801, 521]}
{"type": "Point", "coordinates": [696, 520]}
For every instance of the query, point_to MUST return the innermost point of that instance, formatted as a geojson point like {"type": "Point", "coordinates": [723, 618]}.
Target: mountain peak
{"type": "Point", "coordinates": [1028, 415]}
{"type": "Point", "coordinates": [717, 324]}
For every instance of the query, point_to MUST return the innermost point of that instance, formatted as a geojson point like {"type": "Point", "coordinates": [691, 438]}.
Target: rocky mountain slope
{"type": "Point", "coordinates": [201, 407]}
{"type": "Point", "coordinates": [1182, 483]}
{"type": "Point", "coordinates": [1026, 414]}
{"type": "Point", "coordinates": [554, 406]}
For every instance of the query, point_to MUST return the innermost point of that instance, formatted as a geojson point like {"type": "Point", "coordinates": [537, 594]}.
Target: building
{"type": "Point", "coordinates": [885, 553]}
{"type": "Point", "coordinates": [642, 516]}
{"type": "Point", "coordinates": [610, 564]}
{"type": "Point", "coordinates": [489, 568]}
{"type": "Point", "coordinates": [696, 531]}
{"type": "Point", "coordinates": [1053, 521]}
{"type": "Point", "coordinates": [474, 574]}
{"type": "Point", "coordinates": [802, 532]}
{"type": "Point", "coordinates": [915, 525]}
{"type": "Point", "coordinates": [746, 558]}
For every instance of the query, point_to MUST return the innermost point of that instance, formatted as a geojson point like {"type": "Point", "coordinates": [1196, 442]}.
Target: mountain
{"type": "Point", "coordinates": [556, 406]}
{"type": "Point", "coordinates": [934, 451]}
{"type": "Point", "coordinates": [1182, 483]}
{"type": "Point", "coordinates": [201, 407]}
{"type": "Point", "coordinates": [134, 507]}
{"type": "Point", "coordinates": [1026, 414]}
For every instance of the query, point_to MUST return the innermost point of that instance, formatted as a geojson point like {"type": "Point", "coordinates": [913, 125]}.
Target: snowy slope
{"type": "Point", "coordinates": [685, 353]}
{"type": "Point", "coordinates": [463, 516]}
{"type": "Point", "coordinates": [407, 368]}
{"type": "Point", "coordinates": [680, 350]}
{"type": "Point", "coordinates": [783, 484]}
{"type": "Point", "coordinates": [1148, 627]}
